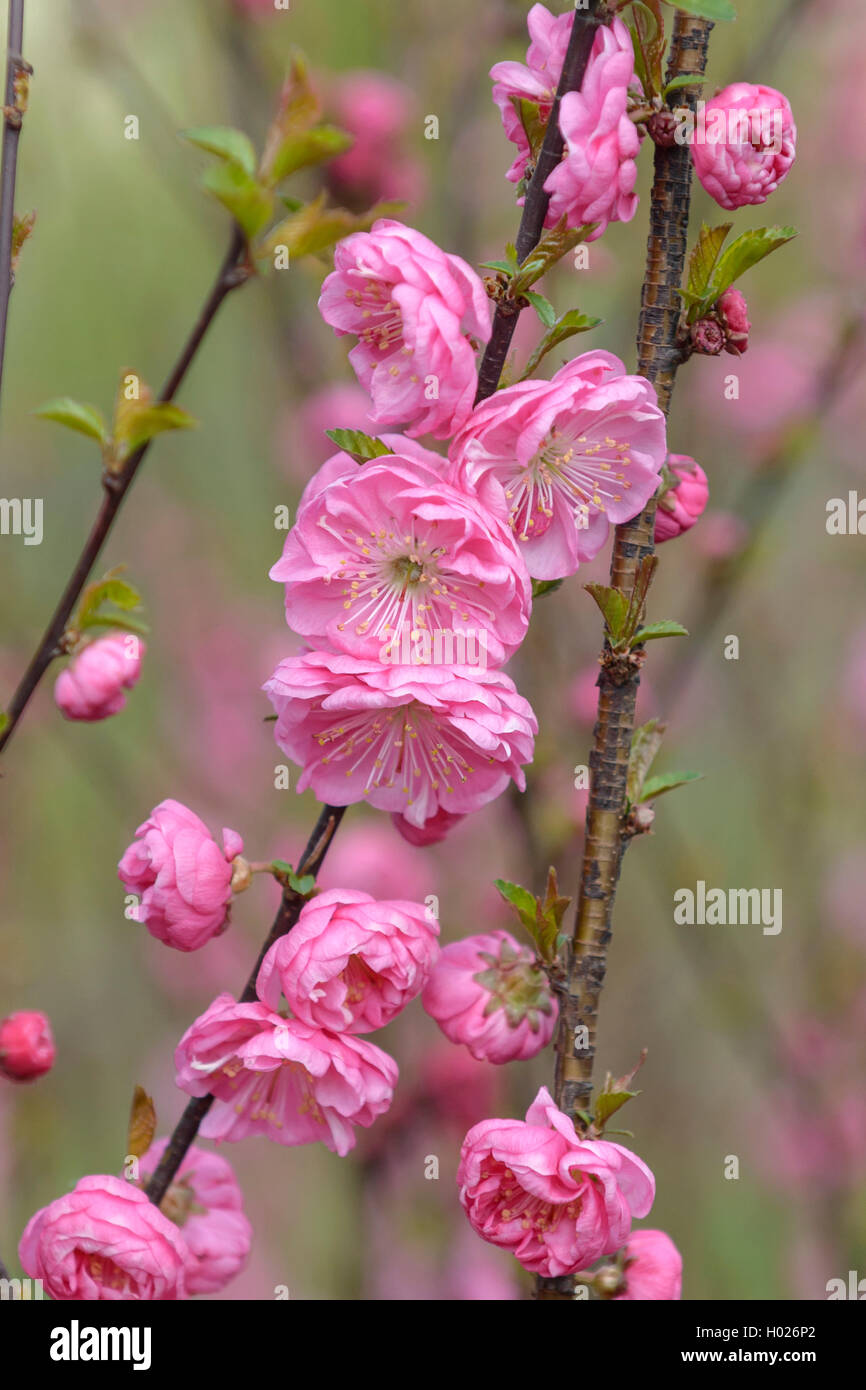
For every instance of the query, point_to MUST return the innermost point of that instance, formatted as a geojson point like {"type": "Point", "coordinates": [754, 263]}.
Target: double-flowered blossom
{"type": "Point", "coordinates": [535, 80]}
{"type": "Point", "coordinates": [351, 963]}
{"type": "Point", "coordinates": [744, 145]}
{"type": "Point", "coordinates": [182, 876]}
{"type": "Point", "coordinates": [685, 502]}
{"type": "Point", "coordinates": [105, 1240]}
{"type": "Point", "coordinates": [654, 1268]}
{"type": "Point", "coordinates": [412, 739]}
{"type": "Point", "coordinates": [390, 561]}
{"type": "Point", "coordinates": [570, 456]}
{"type": "Point", "coordinates": [26, 1046]}
{"type": "Point", "coordinates": [92, 686]}
{"type": "Point", "coordinates": [419, 315]}
{"type": "Point", "coordinates": [734, 316]}
{"type": "Point", "coordinates": [556, 1201]}
{"type": "Point", "coordinates": [205, 1202]}
{"type": "Point", "coordinates": [282, 1078]}
{"type": "Point", "coordinates": [490, 993]}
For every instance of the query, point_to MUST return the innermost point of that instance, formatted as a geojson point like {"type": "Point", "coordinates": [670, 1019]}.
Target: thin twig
{"type": "Point", "coordinates": [16, 72]}
{"type": "Point", "coordinates": [233, 272]}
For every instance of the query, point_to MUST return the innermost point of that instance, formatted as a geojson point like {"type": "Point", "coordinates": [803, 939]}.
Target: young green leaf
{"type": "Point", "coordinates": [529, 115]}
{"type": "Point", "coordinates": [614, 608]}
{"type": "Point", "coordinates": [645, 744]}
{"type": "Point", "coordinates": [225, 142]}
{"type": "Point", "coordinates": [706, 9]}
{"type": "Point", "coordinates": [249, 204]}
{"type": "Point", "coordinates": [300, 150]}
{"type": "Point", "coordinates": [540, 587]}
{"type": "Point", "coordinates": [666, 782]}
{"type": "Point", "coordinates": [702, 261]}
{"type": "Point", "coordinates": [360, 445]}
{"type": "Point", "coordinates": [523, 902]}
{"type": "Point", "coordinates": [642, 580]}
{"type": "Point", "coordinates": [542, 307]}
{"type": "Point", "coordinates": [148, 420]}
{"type": "Point", "coordinates": [75, 415]}
{"type": "Point", "coordinates": [746, 251]}
{"type": "Point", "coordinates": [684, 80]}
{"type": "Point", "coordinates": [565, 327]}
{"type": "Point", "coordinates": [653, 631]}
{"type": "Point", "coordinates": [504, 266]}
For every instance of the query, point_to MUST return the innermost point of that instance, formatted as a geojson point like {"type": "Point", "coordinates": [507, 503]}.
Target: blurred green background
{"type": "Point", "coordinates": [755, 1042]}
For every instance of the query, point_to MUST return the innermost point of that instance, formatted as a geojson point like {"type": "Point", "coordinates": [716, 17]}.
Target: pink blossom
{"type": "Point", "coordinates": [389, 556]}
{"type": "Point", "coordinates": [556, 1201]}
{"type": "Point", "coordinates": [26, 1046]}
{"type": "Point", "coordinates": [734, 314]}
{"type": "Point", "coordinates": [684, 504]}
{"type": "Point", "coordinates": [105, 1240]}
{"type": "Point", "coordinates": [654, 1268]}
{"type": "Point", "coordinates": [747, 168]}
{"type": "Point", "coordinates": [594, 182]}
{"type": "Point", "coordinates": [376, 110]}
{"type": "Point", "coordinates": [281, 1078]}
{"type": "Point", "coordinates": [721, 535]}
{"type": "Point", "coordinates": [419, 314]}
{"type": "Point", "coordinates": [490, 994]}
{"type": "Point", "coordinates": [567, 457]}
{"type": "Point", "coordinates": [205, 1201]}
{"type": "Point", "coordinates": [536, 81]}
{"type": "Point", "coordinates": [182, 876]}
{"type": "Point", "coordinates": [92, 685]}
{"type": "Point", "coordinates": [351, 963]}
{"type": "Point", "coordinates": [432, 832]}
{"type": "Point", "coordinates": [413, 739]}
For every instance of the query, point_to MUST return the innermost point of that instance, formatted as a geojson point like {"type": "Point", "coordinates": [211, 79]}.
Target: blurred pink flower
{"type": "Point", "coordinates": [570, 456]}
{"type": "Point", "coordinates": [654, 1270]}
{"type": "Point", "coordinates": [370, 856]}
{"type": "Point", "coordinates": [206, 1203]}
{"type": "Point", "coordinates": [182, 876]}
{"type": "Point", "coordinates": [432, 832]}
{"type": "Point", "coordinates": [26, 1046]}
{"type": "Point", "coordinates": [721, 535]}
{"type": "Point", "coordinates": [91, 687]}
{"type": "Point", "coordinates": [684, 504]}
{"type": "Point", "coordinates": [405, 738]}
{"type": "Point", "coordinates": [557, 1202]}
{"type": "Point", "coordinates": [419, 315]}
{"type": "Point", "coordinates": [747, 168]}
{"type": "Point", "coordinates": [105, 1241]}
{"type": "Point", "coordinates": [304, 443]}
{"type": "Point", "coordinates": [385, 555]}
{"type": "Point", "coordinates": [488, 993]}
{"type": "Point", "coordinates": [281, 1078]}
{"type": "Point", "coordinates": [351, 963]}
{"type": "Point", "coordinates": [376, 109]}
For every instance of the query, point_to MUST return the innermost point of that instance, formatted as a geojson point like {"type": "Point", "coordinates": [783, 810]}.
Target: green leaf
{"type": "Point", "coordinates": [645, 744]}
{"type": "Point", "coordinates": [540, 587]}
{"type": "Point", "coordinates": [534, 128]}
{"type": "Point", "coordinates": [652, 631]}
{"type": "Point", "coordinates": [614, 607]}
{"type": "Point", "coordinates": [226, 142]}
{"type": "Point", "coordinates": [112, 590]}
{"type": "Point", "coordinates": [520, 899]}
{"type": "Point", "coordinates": [608, 1102]}
{"type": "Point", "coordinates": [706, 9]}
{"type": "Point", "coordinates": [303, 886]}
{"type": "Point", "coordinates": [315, 228]}
{"type": "Point", "coordinates": [666, 782]}
{"type": "Point", "coordinates": [308, 147]}
{"type": "Point", "coordinates": [497, 265]}
{"type": "Point", "coordinates": [684, 80]}
{"type": "Point", "coordinates": [746, 251]}
{"type": "Point", "coordinates": [360, 445]}
{"type": "Point", "coordinates": [249, 204]}
{"type": "Point", "coordinates": [75, 415]}
{"type": "Point", "coordinates": [4, 722]}
{"type": "Point", "coordinates": [571, 322]}
{"type": "Point", "coordinates": [642, 580]}
{"type": "Point", "coordinates": [702, 261]}
{"type": "Point", "coordinates": [140, 425]}
{"type": "Point", "coordinates": [542, 307]}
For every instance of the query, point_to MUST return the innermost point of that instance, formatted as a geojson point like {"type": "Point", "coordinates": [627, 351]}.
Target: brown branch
{"type": "Point", "coordinates": [234, 271]}
{"type": "Point", "coordinates": [16, 74]}
{"type": "Point", "coordinates": [289, 911]}
{"type": "Point", "coordinates": [605, 841]}
{"type": "Point", "coordinates": [581, 39]}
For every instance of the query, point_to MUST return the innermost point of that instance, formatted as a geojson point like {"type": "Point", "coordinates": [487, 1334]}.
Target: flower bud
{"type": "Point", "coordinates": [734, 314]}
{"type": "Point", "coordinates": [26, 1046]}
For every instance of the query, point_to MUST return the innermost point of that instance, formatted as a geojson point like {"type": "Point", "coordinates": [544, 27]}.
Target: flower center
{"type": "Point", "coordinates": [512, 1203]}
{"type": "Point", "coordinates": [517, 985]}
{"type": "Point", "coordinates": [583, 471]}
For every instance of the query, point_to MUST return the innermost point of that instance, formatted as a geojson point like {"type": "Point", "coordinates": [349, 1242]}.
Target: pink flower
{"type": "Point", "coordinates": [432, 832]}
{"type": "Point", "coordinates": [413, 739]}
{"type": "Point", "coordinates": [594, 183]}
{"type": "Point", "coordinates": [302, 439]}
{"type": "Point", "coordinates": [747, 146]}
{"type": "Point", "coordinates": [105, 1240]}
{"type": "Point", "coordinates": [556, 1201]}
{"type": "Point", "coordinates": [566, 457]}
{"type": "Point", "coordinates": [490, 994]}
{"type": "Point", "coordinates": [681, 507]}
{"type": "Point", "coordinates": [390, 561]}
{"type": "Point", "coordinates": [182, 876]}
{"type": "Point", "coordinates": [350, 964]}
{"type": "Point", "coordinates": [537, 81]}
{"type": "Point", "coordinates": [281, 1078]}
{"type": "Point", "coordinates": [92, 685]}
{"type": "Point", "coordinates": [26, 1046]}
{"type": "Point", "coordinates": [721, 535]}
{"type": "Point", "coordinates": [376, 110]}
{"type": "Point", "coordinates": [414, 309]}
{"type": "Point", "coordinates": [205, 1201]}
{"type": "Point", "coordinates": [734, 314]}
{"type": "Point", "coordinates": [654, 1268]}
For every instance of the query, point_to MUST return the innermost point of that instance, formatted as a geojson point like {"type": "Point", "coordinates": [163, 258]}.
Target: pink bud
{"type": "Point", "coordinates": [92, 686]}
{"type": "Point", "coordinates": [708, 337]}
{"type": "Point", "coordinates": [654, 1268]}
{"type": "Point", "coordinates": [734, 314]}
{"type": "Point", "coordinates": [26, 1046]}
{"type": "Point", "coordinates": [431, 832]}
{"type": "Point", "coordinates": [683, 504]}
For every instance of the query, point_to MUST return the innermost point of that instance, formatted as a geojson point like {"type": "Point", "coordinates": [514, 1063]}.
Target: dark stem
{"type": "Point", "coordinates": [15, 66]}
{"type": "Point", "coordinates": [581, 39]}
{"type": "Point", "coordinates": [233, 272]}
{"type": "Point", "coordinates": [289, 911]}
